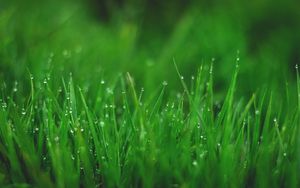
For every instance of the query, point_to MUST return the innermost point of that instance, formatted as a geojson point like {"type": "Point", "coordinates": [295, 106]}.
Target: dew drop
{"type": "Point", "coordinates": [102, 124]}
{"type": "Point", "coordinates": [23, 111]}
{"type": "Point", "coordinates": [109, 90]}
{"type": "Point", "coordinates": [195, 163]}
{"type": "Point", "coordinates": [256, 112]}
{"type": "Point", "coordinates": [56, 139]}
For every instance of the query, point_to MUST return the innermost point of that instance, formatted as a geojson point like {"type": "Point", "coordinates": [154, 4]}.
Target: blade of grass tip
{"type": "Point", "coordinates": [258, 119]}
{"type": "Point", "coordinates": [210, 92]}
{"type": "Point", "coordinates": [287, 93]}
{"type": "Point", "coordinates": [137, 105]}
{"type": "Point", "coordinates": [198, 83]}
{"type": "Point", "coordinates": [117, 137]}
{"type": "Point", "coordinates": [72, 101]}
{"type": "Point", "coordinates": [233, 85]}
{"type": "Point", "coordinates": [128, 118]}
{"type": "Point", "coordinates": [30, 103]}
{"type": "Point", "coordinates": [64, 86]}
{"type": "Point", "coordinates": [91, 126]}
{"type": "Point", "coordinates": [266, 124]}
{"type": "Point", "coordinates": [182, 80]}
{"type": "Point", "coordinates": [225, 113]}
{"type": "Point", "coordinates": [198, 94]}
{"type": "Point", "coordinates": [157, 104]}
{"type": "Point", "coordinates": [247, 108]}
{"type": "Point", "coordinates": [279, 135]}
{"type": "Point", "coordinates": [126, 104]}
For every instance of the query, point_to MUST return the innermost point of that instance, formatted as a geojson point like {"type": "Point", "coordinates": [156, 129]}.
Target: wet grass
{"type": "Point", "coordinates": [112, 135]}
{"type": "Point", "coordinates": [91, 102]}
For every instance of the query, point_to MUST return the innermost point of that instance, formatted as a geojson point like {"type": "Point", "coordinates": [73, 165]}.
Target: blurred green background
{"type": "Point", "coordinates": [102, 38]}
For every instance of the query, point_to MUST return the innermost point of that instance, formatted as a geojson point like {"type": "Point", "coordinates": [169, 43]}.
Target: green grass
{"type": "Point", "coordinates": [149, 99]}
{"type": "Point", "coordinates": [111, 135]}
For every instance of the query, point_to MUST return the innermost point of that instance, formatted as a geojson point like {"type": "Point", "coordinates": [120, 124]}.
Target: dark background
{"type": "Point", "coordinates": [108, 37]}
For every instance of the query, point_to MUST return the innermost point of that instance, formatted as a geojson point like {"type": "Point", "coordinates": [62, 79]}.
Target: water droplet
{"type": "Point", "coordinates": [211, 69]}
{"type": "Point", "coordinates": [109, 91]}
{"type": "Point", "coordinates": [165, 83]}
{"type": "Point", "coordinates": [15, 89]}
{"type": "Point", "coordinates": [181, 77]}
{"type": "Point", "coordinates": [195, 163]}
{"type": "Point", "coordinates": [256, 112]}
{"type": "Point", "coordinates": [102, 124]}
{"type": "Point", "coordinates": [102, 82]}
{"type": "Point", "coordinates": [56, 139]}
{"type": "Point", "coordinates": [66, 53]}
{"type": "Point", "coordinates": [23, 111]}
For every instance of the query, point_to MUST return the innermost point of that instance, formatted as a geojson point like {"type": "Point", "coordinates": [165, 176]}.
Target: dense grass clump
{"type": "Point", "coordinates": [113, 134]}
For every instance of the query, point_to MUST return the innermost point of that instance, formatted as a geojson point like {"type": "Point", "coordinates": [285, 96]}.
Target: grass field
{"type": "Point", "coordinates": [184, 97]}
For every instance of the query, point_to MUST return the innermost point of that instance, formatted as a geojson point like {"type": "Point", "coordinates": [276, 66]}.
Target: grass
{"type": "Point", "coordinates": [95, 100]}
{"type": "Point", "coordinates": [111, 135]}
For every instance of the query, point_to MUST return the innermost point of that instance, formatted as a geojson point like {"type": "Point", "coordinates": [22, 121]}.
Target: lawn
{"type": "Point", "coordinates": [149, 94]}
